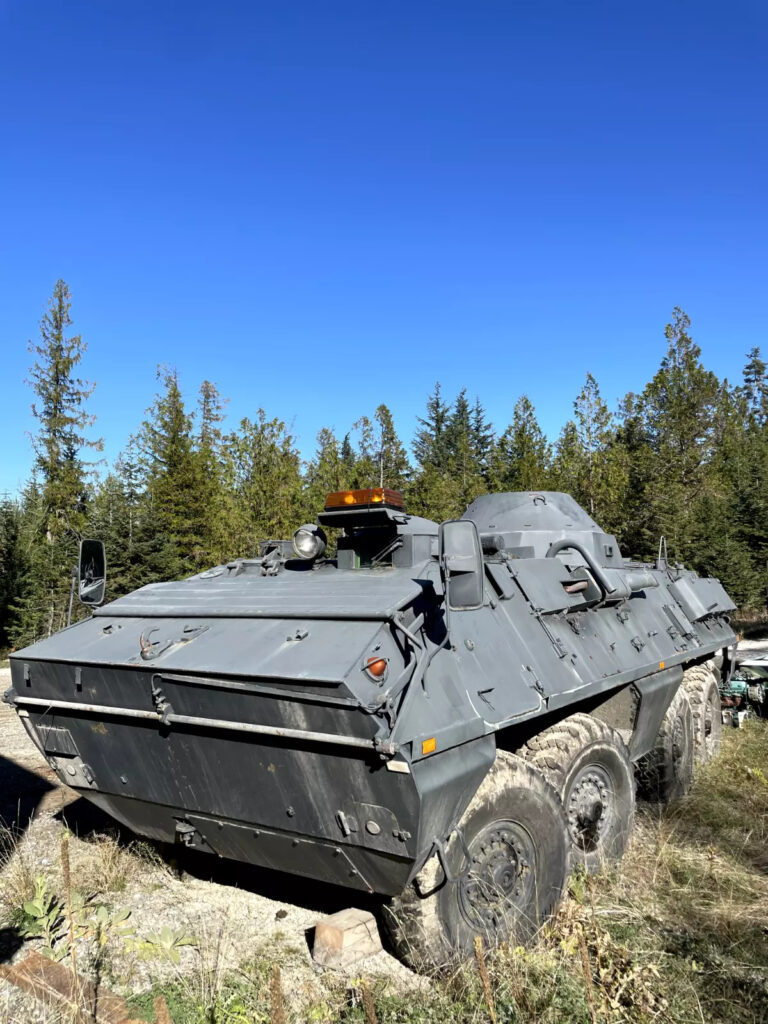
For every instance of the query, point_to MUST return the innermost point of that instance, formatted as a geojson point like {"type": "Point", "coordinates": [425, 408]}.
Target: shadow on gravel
{"type": "Point", "coordinates": [10, 943]}
{"type": "Point", "coordinates": [84, 819]}
{"type": "Point", "coordinates": [21, 793]}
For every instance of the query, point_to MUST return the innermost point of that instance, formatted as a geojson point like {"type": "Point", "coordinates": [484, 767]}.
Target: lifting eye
{"type": "Point", "coordinates": [376, 668]}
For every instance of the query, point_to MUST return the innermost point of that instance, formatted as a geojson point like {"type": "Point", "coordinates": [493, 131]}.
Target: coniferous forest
{"type": "Point", "coordinates": [685, 456]}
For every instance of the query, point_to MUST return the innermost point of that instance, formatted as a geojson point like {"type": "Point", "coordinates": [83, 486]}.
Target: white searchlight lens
{"type": "Point", "coordinates": [309, 541]}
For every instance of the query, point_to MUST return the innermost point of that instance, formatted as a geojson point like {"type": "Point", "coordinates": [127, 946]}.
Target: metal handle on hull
{"type": "Point", "coordinates": [626, 585]}
{"type": "Point", "coordinates": [600, 578]}
{"type": "Point", "coordinates": [380, 746]}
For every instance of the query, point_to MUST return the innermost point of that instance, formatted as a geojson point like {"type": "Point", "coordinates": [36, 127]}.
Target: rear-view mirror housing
{"type": "Point", "coordinates": [92, 573]}
{"type": "Point", "coordinates": [461, 564]}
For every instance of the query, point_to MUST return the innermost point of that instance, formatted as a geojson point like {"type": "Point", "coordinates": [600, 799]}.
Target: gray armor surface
{"type": "Point", "coordinates": [336, 717]}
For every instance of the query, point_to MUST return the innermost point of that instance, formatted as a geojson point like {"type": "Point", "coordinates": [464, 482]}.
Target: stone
{"type": "Point", "coordinates": [346, 937]}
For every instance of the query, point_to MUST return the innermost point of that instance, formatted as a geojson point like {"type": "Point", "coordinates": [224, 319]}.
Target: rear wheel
{"type": "Point", "coordinates": [588, 763]}
{"type": "Point", "coordinates": [516, 836]}
{"type": "Point", "coordinates": [666, 772]}
{"type": "Point", "coordinates": [701, 687]}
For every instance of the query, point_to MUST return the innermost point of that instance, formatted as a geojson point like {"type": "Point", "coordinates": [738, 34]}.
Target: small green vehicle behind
{"type": "Point", "coordinates": [745, 694]}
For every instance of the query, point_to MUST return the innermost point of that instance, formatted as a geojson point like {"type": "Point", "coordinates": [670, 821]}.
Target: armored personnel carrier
{"type": "Point", "coordinates": [449, 716]}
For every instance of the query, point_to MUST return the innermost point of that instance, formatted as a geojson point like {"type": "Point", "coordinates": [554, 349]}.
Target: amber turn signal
{"type": "Point", "coordinates": [376, 667]}
{"type": "Point", "coordinates": [369, 496]}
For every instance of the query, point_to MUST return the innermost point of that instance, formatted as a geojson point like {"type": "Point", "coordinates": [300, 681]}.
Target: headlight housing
{"type": "Point", "coordinates": [309, 541]}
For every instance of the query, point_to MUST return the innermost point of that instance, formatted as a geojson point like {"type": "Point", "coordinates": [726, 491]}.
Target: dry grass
{"type": "Point", "coordinates": [17, 871]}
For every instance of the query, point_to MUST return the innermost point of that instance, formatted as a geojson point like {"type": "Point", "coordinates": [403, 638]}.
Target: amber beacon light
{"type": "Point", "coordinates": [366, 498]}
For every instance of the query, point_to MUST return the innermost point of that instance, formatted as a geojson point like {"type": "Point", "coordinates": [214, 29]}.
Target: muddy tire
{"type": "Point", "coordinates": [700, 684]}
{"type": "Point", "coordinates": [516, 834]}
{"type": "Point", "coordinates": [666, 773]}
{"type": "Point", "coordinates": [589, 765]}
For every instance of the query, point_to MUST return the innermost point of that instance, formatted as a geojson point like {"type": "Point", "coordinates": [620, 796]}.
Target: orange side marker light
{"type": "Point", "coordinates": [376, 667]}
{"type": "Point", "coordinates": [429, 746]}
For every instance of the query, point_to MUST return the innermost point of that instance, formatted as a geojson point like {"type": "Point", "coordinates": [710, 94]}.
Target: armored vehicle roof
{"type": "Point", "coordinates": [528, 510]}
{"type": "Point", "coordinates": [527, 523]}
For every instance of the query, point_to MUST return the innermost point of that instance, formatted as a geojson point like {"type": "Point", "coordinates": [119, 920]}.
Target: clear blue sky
{"type": "Point", "coordinates": [323, 206]}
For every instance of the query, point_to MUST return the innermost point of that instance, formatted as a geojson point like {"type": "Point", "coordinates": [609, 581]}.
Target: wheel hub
{"type": "Point", "coordinates": [590, 807]}
{"type": "Point", "coordinates": [500, 880]}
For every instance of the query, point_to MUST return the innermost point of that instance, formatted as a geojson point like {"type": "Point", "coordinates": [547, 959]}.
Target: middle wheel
{"type": "Point", "coordinates": [589, 765]}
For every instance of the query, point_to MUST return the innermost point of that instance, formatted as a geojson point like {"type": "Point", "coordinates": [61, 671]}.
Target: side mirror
{"type": "Point", "coordinates": [92, 572]}
{"type": "Point", "coordinates": [461, 564]}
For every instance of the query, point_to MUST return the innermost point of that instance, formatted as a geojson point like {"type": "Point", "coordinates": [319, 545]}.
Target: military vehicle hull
{"type": "Point", "coordinates": [242, 712]}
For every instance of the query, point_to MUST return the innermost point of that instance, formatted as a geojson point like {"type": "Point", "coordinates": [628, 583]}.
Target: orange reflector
{"type": "Point", "coordinates": [661, 664]}
{"type": "Point", "coordinates": [429, 746]}
{"type": "Point", "coordinates": [370, 496]}
{"type": "Point", "coordinates": [376, 666]}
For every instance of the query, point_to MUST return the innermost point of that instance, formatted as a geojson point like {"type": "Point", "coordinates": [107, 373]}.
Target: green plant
{"type": "Point", "coordinates": [44, 918]}
{"type": "Point", "coordinates": [101, 923]}
{"type": "Point", "coordinates": [167, 942]}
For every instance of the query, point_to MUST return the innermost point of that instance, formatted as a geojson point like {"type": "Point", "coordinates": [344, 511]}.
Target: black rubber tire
{"type": "Point", "coordinates": [666, 772]}
{"type": "Point", "coordinates": [589, 765]}
{"type": "Point", "coordinates": [516, 832]}
{"type": "Point", "coordinates": [701, 686]}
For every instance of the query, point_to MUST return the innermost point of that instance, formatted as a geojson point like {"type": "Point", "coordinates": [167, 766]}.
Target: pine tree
{"type": "Point", "coordinates": [60, 441]}
{"type": "Point", "coordinates": [12, 565]}
{"type": "Point", "coordinates": [174, 481]}
{"type": "Point", "coordinates": [482, 439]}
{"type": "Point", "coordinates": [208, 452]}
{"type": "Point", "coordinates": [567, 464]}
{"type": "Point", "coordinates": [677, 408]}
{"type": "Point", "coordinates": [755, 388]}
{"type": "Point", "coordinates": [604, 472]}
{"type": "Point", "coordinates": [391, 456]}
{"type": "Point", "coordinates": [326, 472]}
{"type": "Point", "coordinates": [429, 443]}
{"type": "Point", "coordinates": [522, 457]}
{"type": "Point", "coordinates": [262, 473]}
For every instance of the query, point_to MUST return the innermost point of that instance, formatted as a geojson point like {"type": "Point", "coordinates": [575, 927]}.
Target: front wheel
{"type": "Point", "coordinates": [516, 836]}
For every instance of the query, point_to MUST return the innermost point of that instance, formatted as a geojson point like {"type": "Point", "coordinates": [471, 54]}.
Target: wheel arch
{"type": "Point", "coordinates": [635, 710]}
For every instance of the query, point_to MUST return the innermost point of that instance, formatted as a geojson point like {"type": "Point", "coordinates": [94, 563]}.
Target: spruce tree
{"type": "Point", "coordinates": [677, 408]}
{"type": "Point", "coordinates": [262, 474]}
{"type": "Point", "coordinates": [429, 443]}
{"type": "Point", "coordinates": [325, 473]}
{"type": "Point", "coordinates": [12, 565]}
{"type": "Point", "coordinates": [522, 457]}
{"type": "Point", "coordinates": [603, 474]}
{"type": "Point", "coordinates": [392, 458]}
{"type": "Point", "coordinates": [174, 481]}
{"type": "Point", "coordinates": [58, 512]}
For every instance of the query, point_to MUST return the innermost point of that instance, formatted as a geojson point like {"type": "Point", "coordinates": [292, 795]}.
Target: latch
{"type": "Point", "coordinates": [347, 823]}
{"type": "Point", "coordinates": [637, 643]}
{"type": "Point", "coordinates": [160, 701]}
{"type": "Point", "coordinates": [559, 646]}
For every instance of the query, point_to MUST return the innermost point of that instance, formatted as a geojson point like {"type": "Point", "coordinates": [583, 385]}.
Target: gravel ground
{"type": "Point", "coordinates": [233, 911]}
